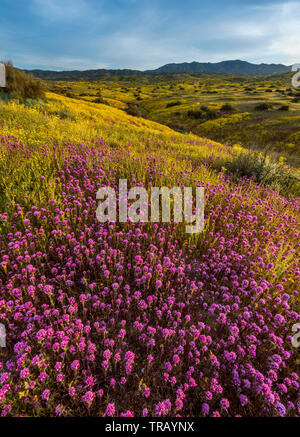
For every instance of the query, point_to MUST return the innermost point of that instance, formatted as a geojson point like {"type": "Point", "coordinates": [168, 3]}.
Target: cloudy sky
{"type": "Point", "coordinates": [145, 34]}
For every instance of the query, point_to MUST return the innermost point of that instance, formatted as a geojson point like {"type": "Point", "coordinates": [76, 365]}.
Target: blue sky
{"type": "Point", "coordinates": [145, 34]}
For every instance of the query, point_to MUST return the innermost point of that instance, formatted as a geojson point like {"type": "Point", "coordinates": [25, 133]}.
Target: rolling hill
{"type": "Point", "coordinates": [225, 67]}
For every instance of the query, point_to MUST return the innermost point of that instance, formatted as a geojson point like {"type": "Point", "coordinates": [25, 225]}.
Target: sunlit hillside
{"type": "Point", "coordinates": [260, 113]}
{"type": "Point", "coordinates": [60, 120]}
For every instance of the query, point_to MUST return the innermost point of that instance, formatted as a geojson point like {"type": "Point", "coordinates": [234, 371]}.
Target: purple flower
{"type": "Point", "coordinates": [88, 397]}
{"type": "Point", "coordinates": [224, 404]}
{"type": "Point", "coordinates": [110, 410]}
{"type": "Point", "coordinates": [24, 373]}
{"type": "Point", "coordinates": [244, 400]}
{"type": "Point", "coordinates": [205, 409]}
{"type": "Point", "coordinates": [75, 365]}
{"type": "Point", "coordinates": [46, 395]}
{"type": "Point", "coordinates": [280, 408]}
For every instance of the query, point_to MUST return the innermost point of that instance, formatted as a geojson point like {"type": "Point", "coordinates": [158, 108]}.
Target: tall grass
{"type": "Point", "coordinates": [263, 168]}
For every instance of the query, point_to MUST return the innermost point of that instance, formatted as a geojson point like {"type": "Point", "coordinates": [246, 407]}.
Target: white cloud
{"type": "Point", "coordinates": [276, 27]}
{"type": "Point", "coordinates": [149, 35]}
{"type": "Point", "coordinates": [65, 10]}
{"type": "Point", "coordinates": [57, 62]}
{"type": "Point", "coordinates": [249, 30]}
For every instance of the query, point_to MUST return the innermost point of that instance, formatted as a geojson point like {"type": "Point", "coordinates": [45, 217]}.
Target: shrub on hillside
{"type": "Point", "coordinates": [20, 85]}
{"type": "Point", "coordinates": [263, 169]}
{"type": "Point", "coordinates": [204, 113]}
{"type": "Point", "coordinates": [64, 115]}
{"type": "Point", "coordinates": [135, 110]}
{"type": "Point", "coordinates": [193, 113]}
{"type": "Point", "coordinates": [170, 104]}
{"type": "Point", "coordinates": [262, 107]}
{"type": "Point", "coordinates": [284, 108]}
{"type": "Point", "coordinates": [227, 107]}
{"type": "Point", "coordinates": [99, 98]}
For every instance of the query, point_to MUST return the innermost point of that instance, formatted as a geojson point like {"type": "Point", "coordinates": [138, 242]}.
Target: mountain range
{"type": "Point", "coordinates": [225, 67]}
{"type": "Point", "coordinates": [237, 67]}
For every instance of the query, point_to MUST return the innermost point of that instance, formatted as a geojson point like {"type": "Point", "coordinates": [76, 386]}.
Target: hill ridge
{"type": "Point", "coordinates": [224, 67]}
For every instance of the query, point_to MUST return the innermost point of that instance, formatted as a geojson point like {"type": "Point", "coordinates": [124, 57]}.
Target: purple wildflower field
{"type": "Point", "coordinates": [140, 319]}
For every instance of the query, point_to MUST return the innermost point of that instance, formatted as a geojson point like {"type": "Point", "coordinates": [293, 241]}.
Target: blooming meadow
{"type": "Point", "coordinates": [124, 319]}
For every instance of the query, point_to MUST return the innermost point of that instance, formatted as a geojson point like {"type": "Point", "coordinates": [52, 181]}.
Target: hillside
{"type": "Point", "coordinates": [261, 113]}
{"type": "Point", "coordinates": [85, 74]}
{"type": "Point", "coordinates": [226, 67]}
{"type": "Point", "coordinates": [139, 319]}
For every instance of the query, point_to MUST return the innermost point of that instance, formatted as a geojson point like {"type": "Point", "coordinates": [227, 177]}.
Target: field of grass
{"type": "Point", "coordinates": [261, 113]}
{"type": "Point", "coordinates": [142, 319]}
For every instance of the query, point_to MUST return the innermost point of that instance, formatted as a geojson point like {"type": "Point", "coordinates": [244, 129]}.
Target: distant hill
{"type": "Point", "coordinates": [85, 74]}
{"type": "Point", "coordinates": [226, 67]}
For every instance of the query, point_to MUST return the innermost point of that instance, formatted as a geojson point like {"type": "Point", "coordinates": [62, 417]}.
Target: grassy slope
{"type": "Point", "coordinates": [273, 129]}
{"type": "Point", "coordinates": [63, 119]}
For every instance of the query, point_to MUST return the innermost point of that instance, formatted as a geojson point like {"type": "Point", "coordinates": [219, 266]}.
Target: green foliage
{"type": "Point", "coordinates": [135, 110]}
{"type": "Point", "coordinates": [204, 113]}
{"type": "Point", "coordinates": [99, 98]}
{"type": "Point", "coordinates": [262, 107]}
{"type": "Point", "coordinates": [64, 115]}
{"type": "Point", "coordinates": [227, 107]}
{"type": "Point", "coordinates": [171, 104]}
{"type": "Point", "coordinates": [195, 114]}
{"type": "Point", "coordinates": [263, 169]}
{"type": "Point", "coordinates": [20, 85]}
{"type": "Point", "coordinates": [284, 108]}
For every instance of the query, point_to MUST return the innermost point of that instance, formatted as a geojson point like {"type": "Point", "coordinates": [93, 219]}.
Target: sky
{"type": "Point", "coordinates": [146, 34]}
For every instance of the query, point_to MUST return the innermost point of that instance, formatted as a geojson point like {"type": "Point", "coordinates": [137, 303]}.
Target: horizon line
{"type": "Point", "coordinates": [63, 69]}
